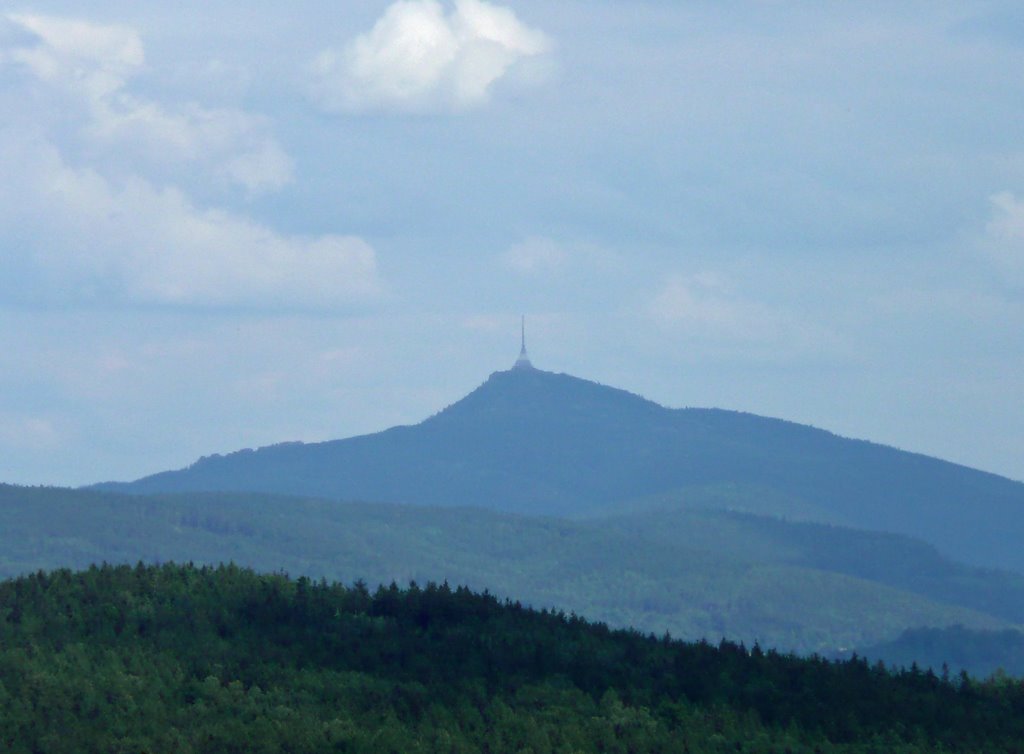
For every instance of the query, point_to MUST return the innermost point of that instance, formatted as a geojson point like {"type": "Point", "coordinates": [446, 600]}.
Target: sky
{"type": "Point", "coordinates": [228, 225]}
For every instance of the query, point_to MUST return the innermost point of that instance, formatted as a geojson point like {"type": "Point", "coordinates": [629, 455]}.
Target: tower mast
{"type": "Point", "coordinates": [523, 362]}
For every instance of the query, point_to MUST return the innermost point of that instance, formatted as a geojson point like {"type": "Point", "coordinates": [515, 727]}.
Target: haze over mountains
{"type": "Point", "coordinates": [565, 493]}
{"type": "Point", "coordinates": [533, 442]}
{"type": "Point", "coordinates": [693, 573]}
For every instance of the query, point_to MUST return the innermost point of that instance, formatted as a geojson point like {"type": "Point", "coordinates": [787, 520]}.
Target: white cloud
{"type": "Point", "coordinates": [92, 59]}
{"type": "Point", "coordinates": [417, 57]}
{"type": "Point", "coordinates": [700, 303]}
{"type": "Point", "coordinates": [705, 305]}
{"type": "Point", "coordinates": [89, 208]}
{"type": "Point", "coordinates": [1004, 233]}
{"type": "Point", "coordinates": [35, 432]}
{"type": "Point", "coordinates": [93, 239]}
{"type": "Point", "coordinates": [1007, 223]}
{"type": "Point", "coordinates": [542, 256]}
{"type": "Point", "coordinates": [486, 323]}
{"type": "Point", "coordinates": [534, 256]}
{"type": "Point", "coordinates": [87, 67]}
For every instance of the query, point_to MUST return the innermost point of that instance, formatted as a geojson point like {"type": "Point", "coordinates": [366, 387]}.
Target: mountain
{"type": "Point", "coordinates": [534, 442]}
{"type": "Point", "coordinates": [693, 573]}
{"type": "Point", "coordinates": [981, 653]}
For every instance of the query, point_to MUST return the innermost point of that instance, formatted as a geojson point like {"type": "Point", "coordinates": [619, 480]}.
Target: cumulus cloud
{"type": "Point", "coordinates": [86, 68]}
{"type": "Point", "coordinates": [541, 256]}
{"type": "Point", "coordinates": [418, 57]}
{"type": "Point", "coordinates": [706, 306]}
{"type": "Point", "coordinates": [1004, 238]}
{"type": "Point", "coordinates": [535, 256]}
{"type": "Point", "coordinates": [102, 223]}
{"type": "Point", "coordinates": [92, 59]}
{"type": "Point", "coordinates": [35, 432]}
{"type": "Point", "coordinates": [701, 303]}
{"type": "Point", "coordinates": [89, 238]}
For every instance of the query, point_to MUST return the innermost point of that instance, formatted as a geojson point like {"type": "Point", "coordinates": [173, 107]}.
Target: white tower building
{"type": "Point", "coordinates": [523, 362]}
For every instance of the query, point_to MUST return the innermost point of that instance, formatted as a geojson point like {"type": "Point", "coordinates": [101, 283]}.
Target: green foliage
{"type": "Point", "coordinates": [983, 653]}
{"type": "Point", "coordinates": [692, 573]}
{"type": "Point", "coordinates": [190, 659]}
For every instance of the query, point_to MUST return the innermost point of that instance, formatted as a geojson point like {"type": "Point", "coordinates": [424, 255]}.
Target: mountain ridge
{"type": "Point", "coordinates": [537, 442]}
{"type": "Point", "coordinates": [694, 573]}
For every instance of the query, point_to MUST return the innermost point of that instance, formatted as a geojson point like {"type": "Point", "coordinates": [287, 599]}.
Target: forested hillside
{"type": "Point", "coordinates": [804, 587]}
{"type": "Point", "coordinates": [534, 442]}
{"type": "Point", "coordinates": [187, 659]}
{"type": "Point", "coordinates": [983, 652]}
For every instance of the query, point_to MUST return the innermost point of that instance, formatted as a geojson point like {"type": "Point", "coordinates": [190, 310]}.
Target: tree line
{"type": "Point", "coordinates": [221, 659]}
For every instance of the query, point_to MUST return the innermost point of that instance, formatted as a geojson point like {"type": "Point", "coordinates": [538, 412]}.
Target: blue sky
{"type": "Point", "coordinates": [224, 228]}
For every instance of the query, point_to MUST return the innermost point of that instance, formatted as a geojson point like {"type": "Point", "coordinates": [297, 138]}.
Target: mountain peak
{"type": "Point", "coordinates": [533, 441]}
{"type": "Point", "coordinates": [547, 398]}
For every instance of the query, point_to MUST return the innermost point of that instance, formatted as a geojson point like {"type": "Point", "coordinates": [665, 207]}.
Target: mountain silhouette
{"type": "Point", "coordinates": [535, 442]}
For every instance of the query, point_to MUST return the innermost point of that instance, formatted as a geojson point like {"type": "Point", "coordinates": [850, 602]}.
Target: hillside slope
{"type": "Point", "coordinates": [694, 573]}
{"type": "Point", "coordinates": [224, 660]}
{"type": "Point", "coordinates": [529, 441]}
{"type": "Point", "coordinates": [981, 653]}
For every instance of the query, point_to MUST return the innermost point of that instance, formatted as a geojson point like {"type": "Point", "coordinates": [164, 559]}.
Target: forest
{"type": "Point", "coordinates": [192, 658]}
{"type": "Point", "coordinates": [694, 573]}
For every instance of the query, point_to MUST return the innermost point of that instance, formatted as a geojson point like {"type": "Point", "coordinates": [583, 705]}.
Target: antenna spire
{"type": "Point", "coordinates": [523, 362]}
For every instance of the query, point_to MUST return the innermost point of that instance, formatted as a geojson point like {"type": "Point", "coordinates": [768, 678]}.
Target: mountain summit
{"type": "Point", "coordinates": [535, 442]}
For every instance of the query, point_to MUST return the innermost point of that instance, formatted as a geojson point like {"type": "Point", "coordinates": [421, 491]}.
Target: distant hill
{"type": "Point", "coordinates": [694, 573]}
{"type": "Point", "coordinates": [534, 442]}
{"type": "Point", "coordinates": [981, 653]}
